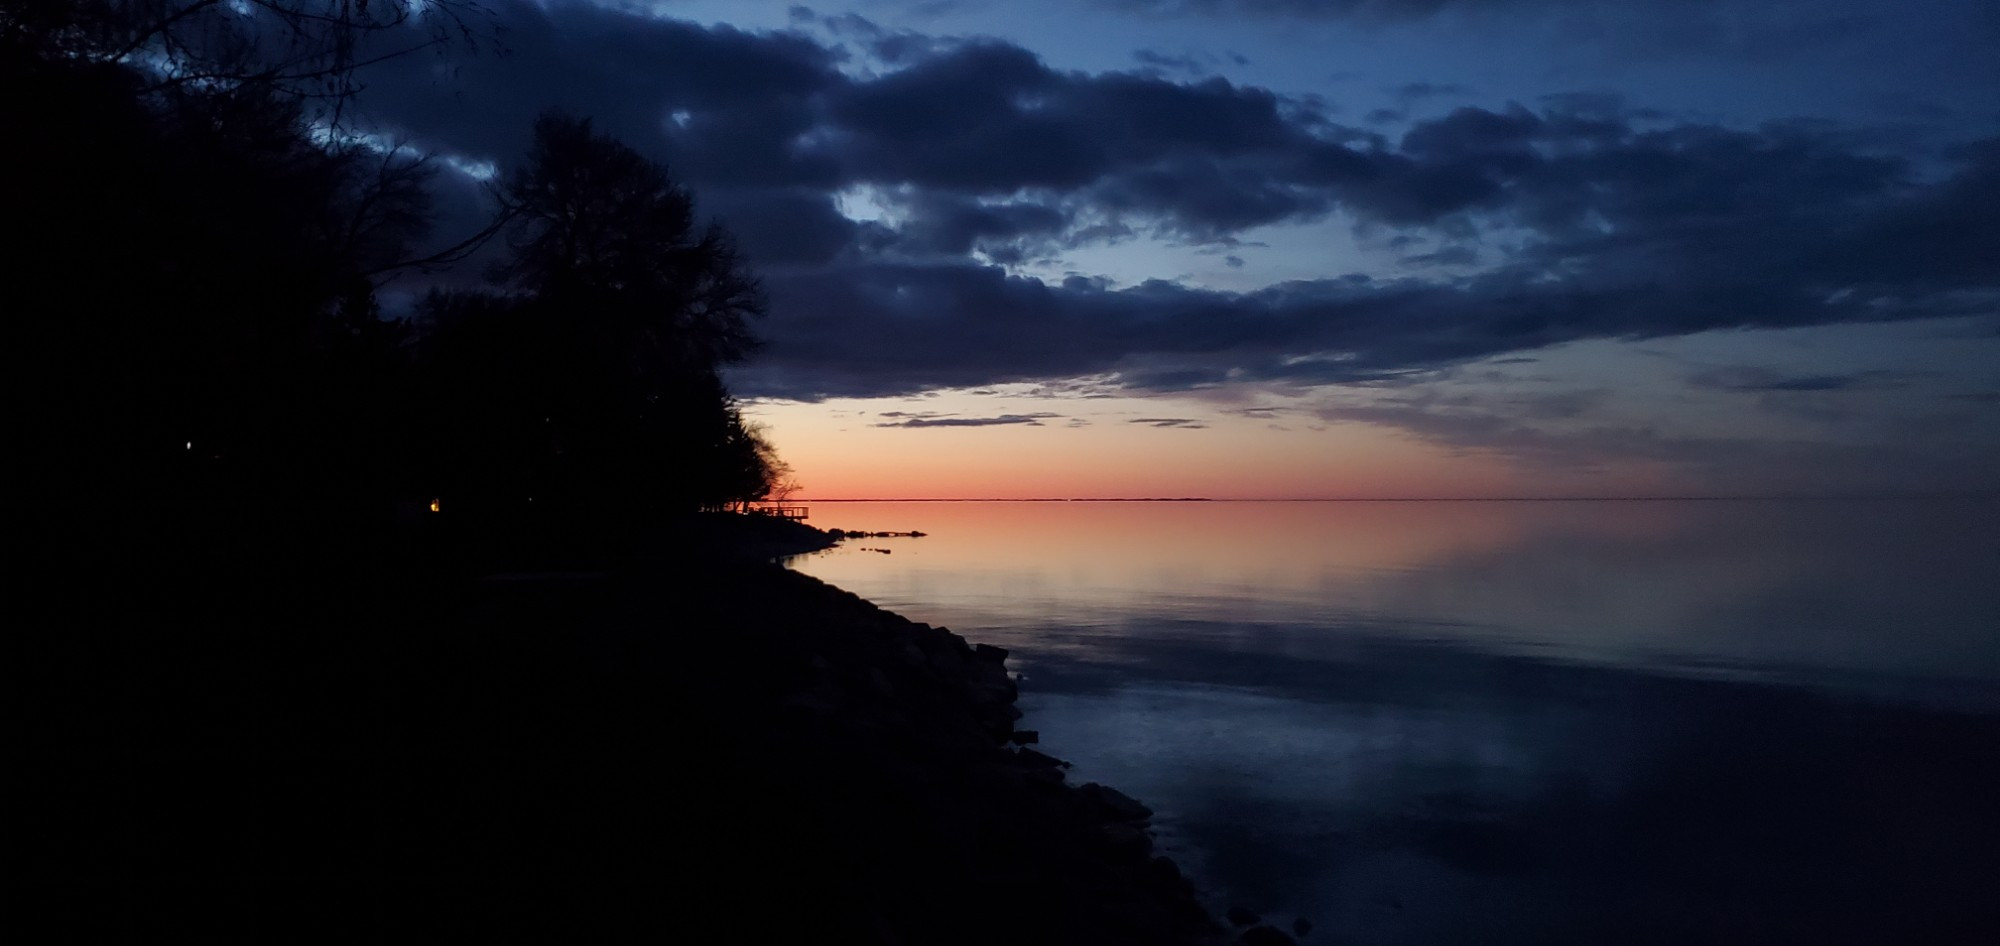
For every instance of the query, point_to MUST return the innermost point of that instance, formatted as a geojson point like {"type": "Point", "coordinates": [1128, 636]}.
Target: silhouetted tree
{"type": "Point", "coordinates": [191, 291]}
{"type": "Point", "coordinates": [195, 296]}
{"type": "Point", "coordinates": [309, 51]}
{"type": "Point", "coordinates": [594, 388]}
{"type": "Point", "coordinates": [597, 225]}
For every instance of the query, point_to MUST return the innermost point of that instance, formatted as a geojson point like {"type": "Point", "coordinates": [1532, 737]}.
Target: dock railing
{"type": "Point", "coordinates": [780, 510]}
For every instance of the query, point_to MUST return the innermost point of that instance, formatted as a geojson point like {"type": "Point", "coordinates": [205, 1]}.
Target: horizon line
{"type": "Point", "coordinates": [1815, 497]}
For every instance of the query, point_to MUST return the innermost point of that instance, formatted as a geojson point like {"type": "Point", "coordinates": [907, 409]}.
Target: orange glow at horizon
{"type": "Point", "coordinates": [841, 450]}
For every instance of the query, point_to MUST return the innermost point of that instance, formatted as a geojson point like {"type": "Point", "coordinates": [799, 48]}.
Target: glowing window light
{"type": "Point", "coordinates": [434, 505]}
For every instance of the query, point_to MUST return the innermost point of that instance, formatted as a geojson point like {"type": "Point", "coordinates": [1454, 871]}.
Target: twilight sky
{"type": "Point", "coordinates": [1314, 248]}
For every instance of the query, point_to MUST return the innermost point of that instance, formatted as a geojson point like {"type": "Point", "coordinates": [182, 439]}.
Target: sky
{"type": "Point", "coordinates": [1311, 248]}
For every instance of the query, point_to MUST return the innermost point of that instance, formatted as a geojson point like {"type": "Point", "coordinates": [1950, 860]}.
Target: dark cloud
{"type": "Point", "coordinates": [1444, 256]}
{"type": "Point", "coordinates": [883, 329]}
{"type": "Point", "coordinates": [1185, 63]}
{"type": "Point", "coordinates": [1824, 399]}
{"type": "Point", "coordinates": [1581, 448]}
{"type": "Point", "coordinates": [1370, 10]}
{"type": "Point", "coordinates": [987, 118]}
{"type": "Point", "coordinates": [783, 226]}
{"type": "Point", "coordinates": [1764, 380]}
{"type": "Point", "coordinates": [1183, 423]}
{"type": "Point", "coordinates": [1417, 91]}
{"type": "Point", "coordinates": [743, 98]}
{"type": "Point", "coordinates": [889, 47]}
{"type": "Point", "coordinates": [1711, 21]}
{"type": "Point", "coordinates": [1752, 30]}
{"type": "Point", "coordinates": [981, 118]}
{"type": "Point", "coordinates": [1617, 223]}
{"type": "Point", "coordinates": [945, 420]}
{"type": "Point", "coordinates": [1007, 232]}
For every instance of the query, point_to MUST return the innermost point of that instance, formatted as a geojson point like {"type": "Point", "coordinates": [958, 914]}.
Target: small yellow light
{"type": "Point", "coordinates": [434, 505]}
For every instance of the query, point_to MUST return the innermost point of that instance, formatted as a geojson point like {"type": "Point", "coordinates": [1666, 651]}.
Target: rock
{"type": "Point", "coordinates": [1126, 838]}
{"type": "Point", "coordinates": [947, 661]}
{"type": "Point", "coordinates": [1039, 760]}
{"type": "Point", "coordinates": [1050, 776]}
{"type": "Point", "coordinates": [990, 677]}
{"type": "Point", "coordinates": [1114, 805]}
{"type": "Point", "coordinates": [1301, 926]}
{"type": "Point", "coordinates": [1023, 737]}
{"type": "Point", "coordinates": [990, 653]}
{"type": "Point", "coordinates": [1238, 916]}
{"type": "Point", "coordinates": [1265, 936]}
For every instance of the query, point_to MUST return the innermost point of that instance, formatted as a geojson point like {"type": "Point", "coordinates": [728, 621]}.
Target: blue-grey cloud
{"type": "Point", "coordinates": [1754, 379]}
{"type": "Point", "coordinates": [1166, 63]}
{"type": "Point", "coordinates": [1620, 223]}
{"type": "Point", "coordinates": [1759, 30]}
{"type": "Point", "coordinates": [1940, 453]}
{"type": "Point", "coordinates": [902, 419]}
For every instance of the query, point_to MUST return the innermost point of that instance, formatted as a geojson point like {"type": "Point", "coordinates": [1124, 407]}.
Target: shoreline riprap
{"type": "Point", "coordinates": [690, 742]}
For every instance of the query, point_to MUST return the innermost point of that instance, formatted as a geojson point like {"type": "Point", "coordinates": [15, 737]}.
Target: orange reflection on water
{"type": "Point", "coordinates": [1287, 543]}
{"type": "Point", "coordinates": [1871, 586]}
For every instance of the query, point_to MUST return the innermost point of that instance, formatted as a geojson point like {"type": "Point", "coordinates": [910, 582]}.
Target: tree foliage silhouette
{"type": "Point", "coordinates": [194, 296]}
{"type": "Point", "coordinates": [193, 275]}
{"type": "Point", "coordinates": [598, 225]}
{"type": "Point", "coordinates": [594, 386]}
{"type": "Point", "coordinates": [309, 51]}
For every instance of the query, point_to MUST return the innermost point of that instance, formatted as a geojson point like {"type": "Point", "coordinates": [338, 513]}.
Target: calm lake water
{"type": "Point", "coordinates": [1509, 722]}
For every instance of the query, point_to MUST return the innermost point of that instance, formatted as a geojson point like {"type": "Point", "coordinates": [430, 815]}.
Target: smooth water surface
{"type": "Point", "coordinates": [1534, 722]}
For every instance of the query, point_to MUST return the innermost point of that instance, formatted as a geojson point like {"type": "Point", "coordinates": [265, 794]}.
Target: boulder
{"type": "Point", "coordinates": [1039, 760]}
{"type": "Point", "coordinates": [1126, 838]}
{"type": "Point", "coordinates": [1111, 804]}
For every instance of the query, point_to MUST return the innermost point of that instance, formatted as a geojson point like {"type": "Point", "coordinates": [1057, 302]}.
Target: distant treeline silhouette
{"type": "Point", "coordinates": [199, 234]}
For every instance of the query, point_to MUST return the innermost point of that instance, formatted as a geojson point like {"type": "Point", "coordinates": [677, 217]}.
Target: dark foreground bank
{"type": "Point", "coordinates": [686, 743]}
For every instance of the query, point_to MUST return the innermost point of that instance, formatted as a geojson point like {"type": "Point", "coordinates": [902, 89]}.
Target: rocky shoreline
{"type": "Point", "coordinates": [911, 733]}
{"type": "Point", "coordinates": [690, 743]}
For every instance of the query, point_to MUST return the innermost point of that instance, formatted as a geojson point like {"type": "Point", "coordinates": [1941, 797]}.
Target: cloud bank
{"type": "Point", "coordinates": [897, 191]}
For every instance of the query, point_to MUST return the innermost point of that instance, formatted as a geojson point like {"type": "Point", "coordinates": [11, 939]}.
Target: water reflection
{"type": "Point", "coordinates": [1512, 722]}
{"type": "Point", "coordinates": [1869, 588]}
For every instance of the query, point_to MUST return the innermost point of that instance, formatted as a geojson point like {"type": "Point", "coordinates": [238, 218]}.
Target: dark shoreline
{"type": "Point", "coordinates": [689, 742]}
